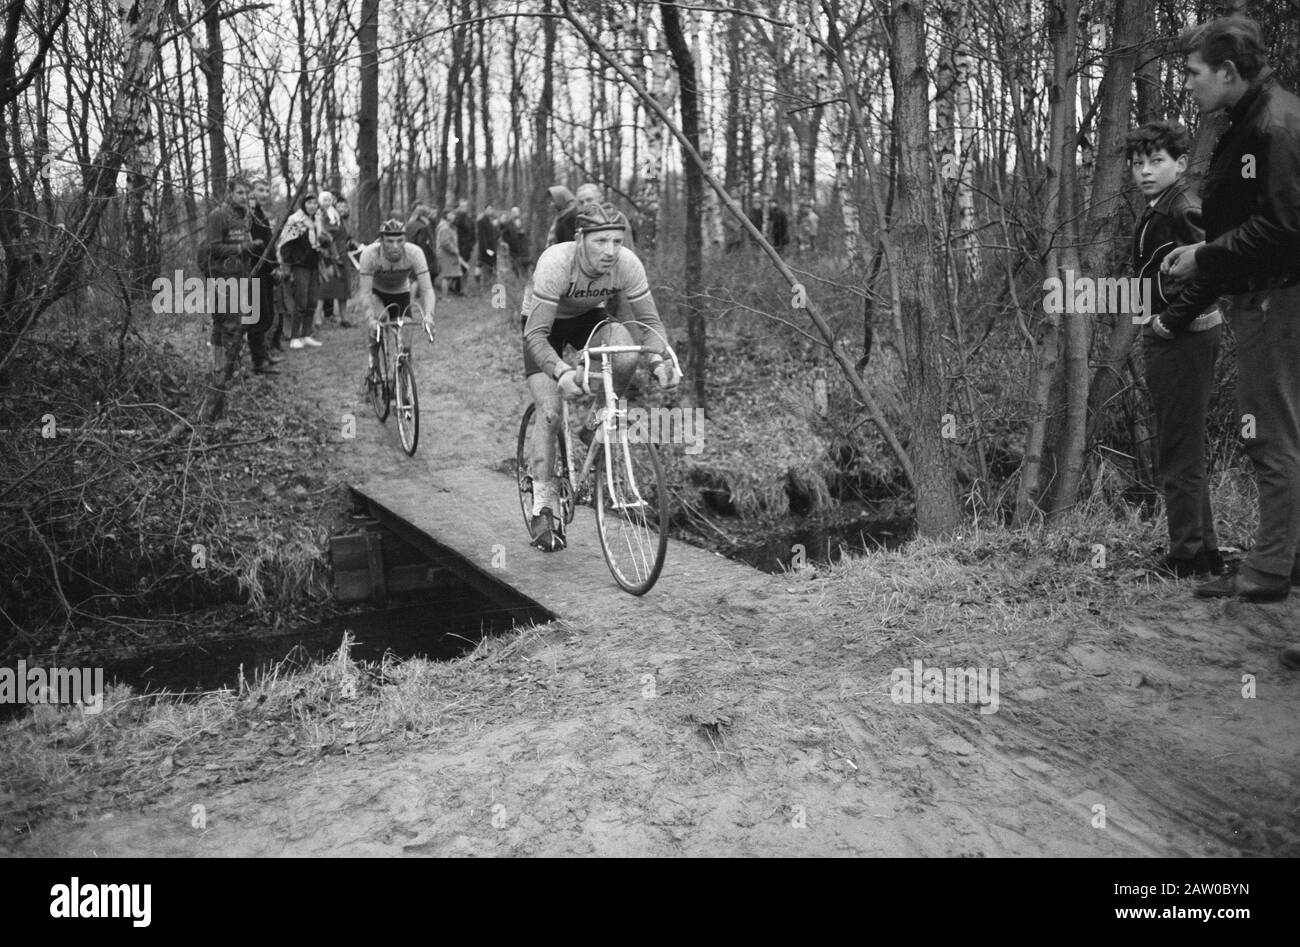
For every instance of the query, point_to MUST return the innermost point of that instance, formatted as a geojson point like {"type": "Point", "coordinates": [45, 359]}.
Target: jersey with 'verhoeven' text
{"type": "Point", "coordinates": [561, 290]}
{"type": "Point", "coordinates": [393, 276]}
{"type": "Point", "coordinates": [558, 279]}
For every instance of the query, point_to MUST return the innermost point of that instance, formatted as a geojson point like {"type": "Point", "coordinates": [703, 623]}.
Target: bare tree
{"type": "Point", "coordinates": [682, 59]}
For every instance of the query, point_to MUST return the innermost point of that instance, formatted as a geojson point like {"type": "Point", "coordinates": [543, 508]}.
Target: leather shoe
{"type": "Point", "coordinates": [1209, 562]}
{"type": "Point", "coordinates": [1290, 657]}
{"type": "Point", "coordinates": [272, 360]}
{"type": "Point", "coordinates": [1243, 588]}
{"type": "Point", "coordinates": [267, 369]}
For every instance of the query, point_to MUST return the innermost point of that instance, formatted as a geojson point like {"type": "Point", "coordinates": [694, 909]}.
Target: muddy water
{"type": "Point", "coordinates": [777, 548]}
{"type": "Point", "coordinates": [438, 628]}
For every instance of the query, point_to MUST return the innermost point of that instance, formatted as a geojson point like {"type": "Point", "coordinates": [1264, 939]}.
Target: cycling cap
{"type": "Point", "coordinates": [601, 217]}
{"type": "Point", "coordinates": [392, 227]}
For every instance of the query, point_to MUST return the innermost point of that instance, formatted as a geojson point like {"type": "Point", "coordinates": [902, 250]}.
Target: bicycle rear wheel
{"type": "Point", "coordinates": [408, 408]}
{"type": "Point", "coordinates": [526, 448]}
{"type": "Point", "coordinates": [632, 520]}
{"type": "Point", "coordinates": [377, 386]}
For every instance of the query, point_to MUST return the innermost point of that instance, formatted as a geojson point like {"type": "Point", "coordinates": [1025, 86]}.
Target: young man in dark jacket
{"type": "Point", "coordinates": [1251, 215]}
{"type": "Point", "coordinates": [227, 252]}
{"type": "Point", "coordinates": [1180, 371]}
{"type": "Point", "coordinates": [259, 226]}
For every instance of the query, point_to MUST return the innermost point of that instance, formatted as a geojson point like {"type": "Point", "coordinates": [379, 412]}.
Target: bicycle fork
{"type": "Point", "coordinates": [611, 420]}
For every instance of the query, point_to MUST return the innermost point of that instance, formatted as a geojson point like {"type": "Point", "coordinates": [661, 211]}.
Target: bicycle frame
{"type": "Point", "coordinates": [610, 416]}
{"type": "Point", "coordinates": [397, 325]}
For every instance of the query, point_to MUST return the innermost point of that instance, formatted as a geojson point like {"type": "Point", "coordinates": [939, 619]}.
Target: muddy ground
{"type": "Point", "coordinates": [1136, 721]}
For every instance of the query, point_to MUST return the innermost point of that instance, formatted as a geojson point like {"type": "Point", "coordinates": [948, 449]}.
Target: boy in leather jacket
{"type": "Point", "coordinates": [1180, 371]}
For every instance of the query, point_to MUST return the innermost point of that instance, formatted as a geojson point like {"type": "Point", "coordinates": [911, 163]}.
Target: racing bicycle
{"type": "Point", "coordinates": [391, 383]}
{"type": "Point", "coordinates": [622, 477]}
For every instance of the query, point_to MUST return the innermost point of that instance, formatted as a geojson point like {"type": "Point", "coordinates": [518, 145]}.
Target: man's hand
{"type": "Point", "coordinates": [1157, 326]}
{"type": "Point", "coordinates": [1180, 264]}
{"type": "Point", "coordinates": [284, 272]}
{"type": "Point", "coordinates": [568, 383]}
{"type": "Point", "coordinates": [666, 374]}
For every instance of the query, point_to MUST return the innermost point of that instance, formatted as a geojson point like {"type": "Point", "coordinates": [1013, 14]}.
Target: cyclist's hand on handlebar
{"type": "Point", "coordinates": [667, 375]}
{"type": "Point", "coordinates": [568, 383]}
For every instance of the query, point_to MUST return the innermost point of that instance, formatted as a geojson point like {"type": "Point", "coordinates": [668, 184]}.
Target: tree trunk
{"type": "Point", "coordinates": [367, 219]}
{"type": "Point", "coordinates": [1103, 253]}
{"type": "Point", "coordinates": [1061, 29]}
{"type": "Point", "coordinates": [491, 186]}
{"type": "Point", "coordinates": [651, 171]}
{"type": "Point", "coordinates": [543, 167]}
{"type": "Point", "coordinates": [305, 94]}
{"type": "Point", "coordinates": [937, 512]}
{"type": "Point", "coordinates": [213, 66]}
{"type": "Point", "coordinates": [691, 299]}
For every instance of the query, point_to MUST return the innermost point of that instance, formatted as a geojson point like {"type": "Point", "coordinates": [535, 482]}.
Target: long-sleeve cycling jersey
{"type": "Point", "coordinates": [561, 289]}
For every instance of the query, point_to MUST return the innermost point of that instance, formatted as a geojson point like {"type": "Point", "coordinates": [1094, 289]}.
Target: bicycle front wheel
{"type": "Point", "coordinates": [632, 518]}
{"type": "Point", "coordinates": [377, 387]}
{"type": "Point", "coordinates": [408, 408]}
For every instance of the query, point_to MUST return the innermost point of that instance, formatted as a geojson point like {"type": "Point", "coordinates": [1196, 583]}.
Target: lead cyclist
{"type": "Point", "coordinates": [572, 285]}
{"type": "Point", "coordinates": [388, 267]}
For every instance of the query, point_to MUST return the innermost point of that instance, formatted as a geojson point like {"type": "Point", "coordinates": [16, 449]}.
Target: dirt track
{"type": "Point", "coordinates": [770, 729]}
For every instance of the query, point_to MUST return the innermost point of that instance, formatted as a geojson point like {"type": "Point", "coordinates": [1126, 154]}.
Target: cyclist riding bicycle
{"type": "Point", "coordinates": [565, 301]}
{"type": "Point", "coordinates": [388, 267]}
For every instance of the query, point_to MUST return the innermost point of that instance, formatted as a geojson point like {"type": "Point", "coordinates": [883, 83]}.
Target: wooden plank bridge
{"type": "Point", "coordinates": [467, 521]}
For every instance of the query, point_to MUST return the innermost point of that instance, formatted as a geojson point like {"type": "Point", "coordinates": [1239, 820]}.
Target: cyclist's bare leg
{"type": "Point", "coordinates": [546, 396]}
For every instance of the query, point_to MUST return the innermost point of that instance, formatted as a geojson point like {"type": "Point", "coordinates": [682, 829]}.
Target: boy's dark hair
{"type": "Point", "coordinates": [1164, 135]}
{"type": "Point", "coordinates": [237, 180]}
{"type": "Point", "coordinates": [1234, 38]}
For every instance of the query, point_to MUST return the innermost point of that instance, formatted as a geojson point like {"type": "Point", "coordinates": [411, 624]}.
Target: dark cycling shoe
{"type": "Point", "coordinates": [546, 536]}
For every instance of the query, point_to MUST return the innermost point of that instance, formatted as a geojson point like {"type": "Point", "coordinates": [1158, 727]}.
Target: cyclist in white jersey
{"type": "Point", "coordinates": [388, 267]}
{"type": "Point", "coordinates": [565, 300]}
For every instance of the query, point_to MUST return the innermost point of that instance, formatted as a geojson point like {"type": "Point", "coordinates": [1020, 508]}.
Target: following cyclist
{"type": "Point", "coordinates": [388, 267]}
{"type": "Point", "coordinates": [571, 286]}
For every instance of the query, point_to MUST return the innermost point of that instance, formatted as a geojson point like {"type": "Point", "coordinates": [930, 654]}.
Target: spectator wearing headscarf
{"type": "Point", "coordinates": [298, 253]}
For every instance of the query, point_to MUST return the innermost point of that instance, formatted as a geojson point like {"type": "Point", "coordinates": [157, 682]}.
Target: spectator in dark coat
{"type": "Point", "coordinates": [566, 215]}
{"type": "Point", "coordinates": [488, 236]}
{"type": "Point", "coordinates": [778, 223]}
{"type": "Point", "coordinates": [464, 224]}
{"type": "Point", "coordinates": [419, 231]}
{"type": "Point", "coordinates": [516, 238]}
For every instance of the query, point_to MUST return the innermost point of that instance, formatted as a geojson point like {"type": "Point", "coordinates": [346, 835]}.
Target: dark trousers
{"type": "Point", "coordinates": [1267, 328]}
{"type": "Point", "coordinates": [303, 298]}
{"type": "Point", "coordinates": [257, 333]}
{"type": "Point", "coordinates": [1180, 377]}
{"type": "Point", "coordinates": [227, 343]}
